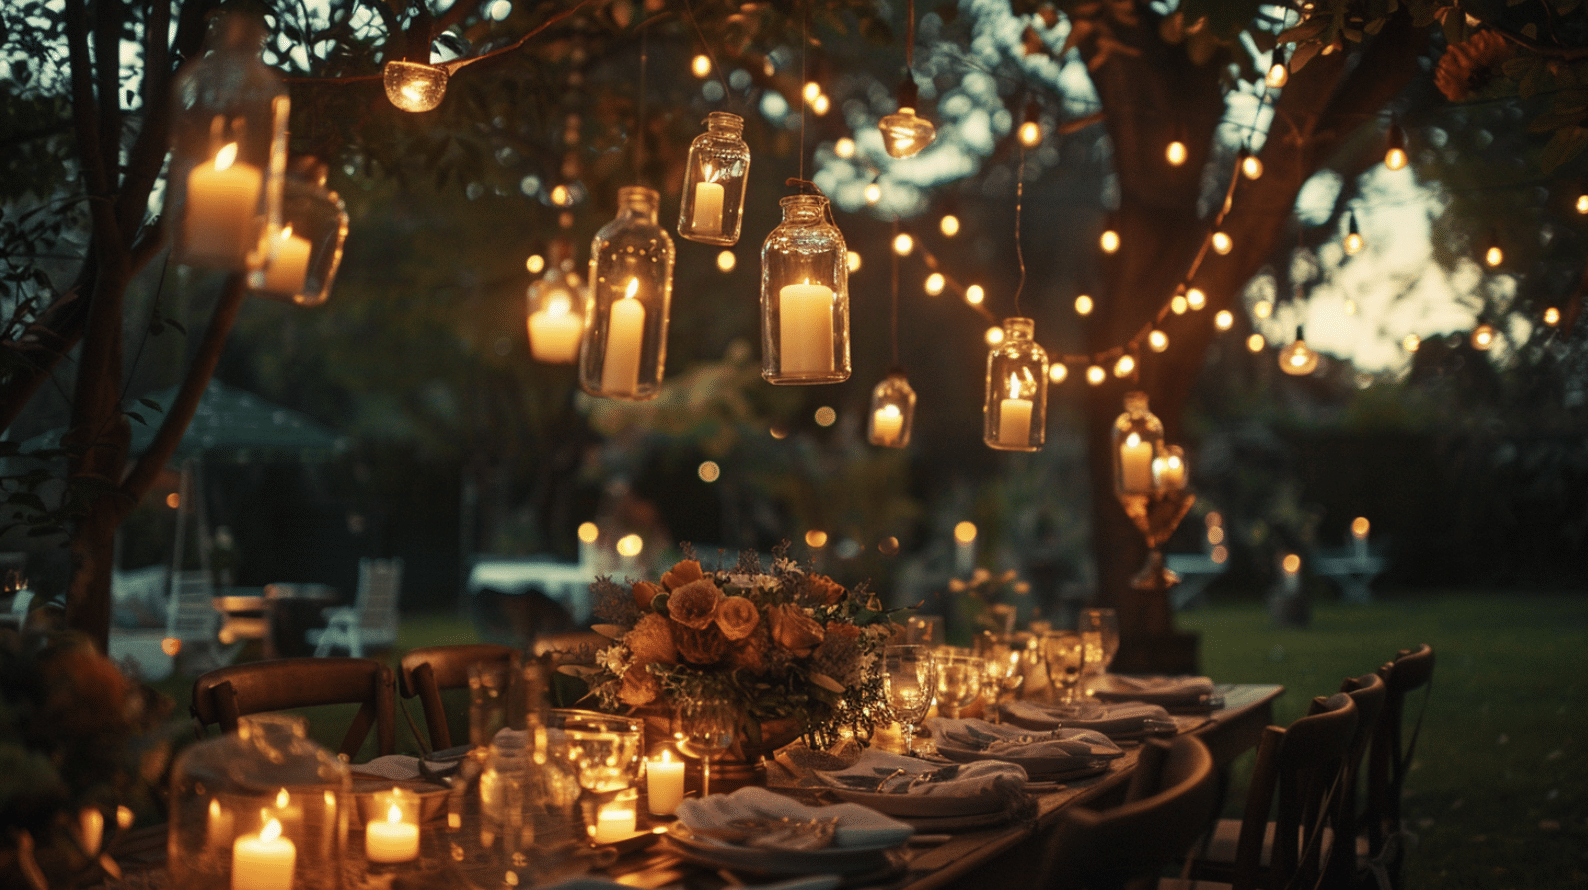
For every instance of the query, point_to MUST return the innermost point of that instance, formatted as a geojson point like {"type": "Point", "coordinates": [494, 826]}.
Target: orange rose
{"type": "Point", "coordinates": [827, 591]}
{"type": "Point", "coordinates": [684, 572]}
{"type": "Point", "coordinates": [793, 629]}
{"type": "Point", "coordinates": [736, 617]}
{"type": "Point", "coordinates": [644, 592]}
{"type": "Point", "coordinates": [695, 604]}
{"type": "Point", "coordinates": [640, 687]}
{"type": "Point", "coordinates": [651, 641]}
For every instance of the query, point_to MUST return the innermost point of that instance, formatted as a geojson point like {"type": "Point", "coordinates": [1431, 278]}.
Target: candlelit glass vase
{"type": "Point", "coordinates": [1149, 480]}
{"type": "Point", "coordinates": [264, 809]}
{"type": "Point", "coordinates": [308, 246]}
{"type": "Point", "coordinates": [805, 296]}
{"type": "Point", "coordinates": [711, 210]}
{"type": "Point", "coordinates": [554, 303]}
{"type": "Point", "coordinates": [1015, 411]}
{"type": "Point", "coordinates": [630, 290]}
{"type": "Point", "coordinates": [228, 150]}
{"type": "Point", "coordinates": [892, 411]}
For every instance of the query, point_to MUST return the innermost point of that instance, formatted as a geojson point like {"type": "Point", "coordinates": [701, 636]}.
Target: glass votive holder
{"type": "Point", "coordinates": [391, 828]}
{"type": "Point", "coordinates": [615, 818]}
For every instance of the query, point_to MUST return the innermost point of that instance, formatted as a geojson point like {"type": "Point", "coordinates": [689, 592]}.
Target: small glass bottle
{"type": "Point", "coordinates": [711, 209]}
{"type": "Point", "coordinates": [630, 291]}
{"type": "Point", "coordinates": [805, 296]}
{"type": "Point", "coordinates": [1138, 441]}
{"type": "Point", "coordinates": [554, 304]}
{"type": "Point", "coordinates": [892, 411]}
{"type": "Point", "coordinates": [228, 150]}
{"type": "Point", "coordinates": [1015, 411]}
{"type": "Point", "coordinates": [308, 246]}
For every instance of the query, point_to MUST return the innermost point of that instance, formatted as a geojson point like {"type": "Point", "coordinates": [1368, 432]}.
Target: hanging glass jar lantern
{"type": "Point", "coordinates": [1169, 469]}
{"type": "Point", "coordinates": [414, 86]}
{"type": "Point", "coordinates": [308, 246]}
{"type": "Point", "coordinates": [554, 306]}
{"type": "Point", "coordinates": [892, 411]}
{"type": "Point", "coordinates": [626, 307]}
{"type": "Point", "coordinates": [263, 808]}
{"type": "Point", "coordinates": [805, 296]}
{"type": "Point", "coordinates": [1015, 412]}
{"type": "Point", "coordinates": [1138, 441]}
{"type": "Point", "coordinates": [228, 150]}
{"type": "Point", "coordinates": [712, 207]}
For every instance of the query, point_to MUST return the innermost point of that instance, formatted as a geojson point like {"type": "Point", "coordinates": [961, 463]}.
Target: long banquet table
{"type": "Point", "coordinates": [1006, 852]}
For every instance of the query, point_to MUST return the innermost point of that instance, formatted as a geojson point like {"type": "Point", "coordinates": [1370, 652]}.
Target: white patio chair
{"type": "Point", "coordinates": [372, 619]}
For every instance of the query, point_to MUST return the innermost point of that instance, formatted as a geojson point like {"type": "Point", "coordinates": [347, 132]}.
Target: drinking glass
{"type": "Point", "coordinates": [958, 683]}
{"type": "Point", "coordinates": [910, 675]}
{"type": "Point", "coordinates": [1064, 656]}
{"type": "Point", "coordinates": [705, 729]}
{"type": "Point", "coordinates": [1002, 673]}
{"type": "Point", "coordinates": [1100, 629]}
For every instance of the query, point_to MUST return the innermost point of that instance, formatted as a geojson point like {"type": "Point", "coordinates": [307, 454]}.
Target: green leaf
{"type": "Point", "coordinates": [1567, 143]}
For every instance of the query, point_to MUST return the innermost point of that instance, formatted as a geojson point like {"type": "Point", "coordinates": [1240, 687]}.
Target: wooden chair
{"type": "Point", "coordinates": [1349, 854]}
{"type": "Point", "coordinates": [1173, 793]}
{"type": "Point", "coordinates": [222, 696]}
{"type": "Point", "coordinates": [1389, 757]}
{"type": "Point", "coordinates": [1285, 835]}
{"type": "Point", "coordinates": [372, 619]}
{"type": "Point", "coordinates": [427, 671]}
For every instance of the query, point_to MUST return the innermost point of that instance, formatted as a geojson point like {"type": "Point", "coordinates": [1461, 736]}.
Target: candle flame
{"type": "Point", "coordinates": [394, 814]}
{"type": "Point", "coordinates": [286, 231]}
{"type": "Point", "coordinates": [282, 798]}
{"type": "Point", "coordinates": [1359, 526]}
{"type": "Point", "coordinates": [1133, 440]}
{"type": "Point", "coordinates": [889, 411]}
{"type": "Point", "coordinates": [1014, 385]}
{"type": "Point", "coordinates": [226, 156]}
{"type": "Point", "coordinates": [271, 831]}
{"type": "Point", "coordinates": [632, 289]}
{"type": "Point", "coordinates": [667, 756]}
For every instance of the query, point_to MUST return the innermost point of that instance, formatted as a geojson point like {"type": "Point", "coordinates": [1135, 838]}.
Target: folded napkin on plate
{"type": "Point", "coordinates": [1124, 719]}
{"type": "Point", "coordinates": [1171, 692]}
{"type": "Point", "coordinates": [856, 826]}
{"type": "Point", "coordinates": [955, 780]}
{"type": "Point", "coordinates": [1055, 751]}
{"type": "Point", "coordinates": [399, 767]}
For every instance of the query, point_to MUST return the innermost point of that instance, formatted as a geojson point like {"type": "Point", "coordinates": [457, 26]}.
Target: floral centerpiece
{"type": "Point", "coordinates": [784, 644]}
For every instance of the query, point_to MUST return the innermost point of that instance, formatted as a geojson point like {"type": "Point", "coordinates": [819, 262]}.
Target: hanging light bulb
{"type": "Point", "coordinates": [810, 91]}
{"type": "Point", "coordinates": [821, 104]}
{"type": "Point", "coordinates": [1031, 129]}
{"type": "Point", "coordinates": [1015, 410]}
{"type": "Point", "coordinates": [1552, 316]}
{"type": "Point", "coordinates": [1224, 320]}
{"type": "Point", "coordinates": [1493, 256]}
{"type": "Point", "coordinates": [535, 264]}
{"type": "Point", "coordinates": [1157, 340]}
{"type": "Point", "coordinates": [1195, 298]}
{"type": "Point", "coordinates": [852, 260]}
{"type": "Point", "coordinates": [1251, 166]}
{"type": "Point", "coordinates": [1395, 147]}
{"type": "Point", "coordinates": [1108, 241]}
{"type": "Point", "coordinates": [934, 284]}
{"type": "Point", "coordinates": [949, 225]}
{"type": "Point", "coordinates": [804, 296]}
{"type": "Point", "coordinates": [700, 65]}
{"type": "Point", "coordinates": [993, 335]}
{"type": "Point", "coordinates": [414, 86]}
{"type": "Point", "coordinates": [1298, 359]}
{"type": "Point", "coordinates": [1083, 305]}
{"type": "Point", "coordinates": [1353, 237]}
{"type": "Point", "coordinates": [892, 411]}
{"type": "Point", "coordinates": [1095, 374]}
{"type": "Point", "coordinates": [1483, 337]}
{"type": "Point", "coordinates": [1263, 309]}
{"type": "Point", "coordinates": [975, 294]}
{"type": "Point", "coordinates": [1411, 342]}
{"type": "Point", "coordinates": [726, 261]}
{"type": "Point", "coordinates": [1175, 153]}
{"type": "Point", "coordinates": [1255, 343]}
{"type": "Point", "coordinates": [1222, 243]}
{"type": "Point", "coordinates": [712, 208]}
{"type": "Point", "coordinates": [630, 291]}
{"type": "Point", "coordinates": [844, 148]}
{"type": "Point", "coordinates": [1058, 372]}
{"type": "Point", "coordinates": [903, 244]}
{"type": "Point", "coordinates": [1125, 366]}
{"type": "Point", "coordinates": [1178, 304]}
{"type": "Point", "coordinates": [873, 193]}
{"type": "Point", "coordinates": [555, 319]}
{"type": "Point", "coordinates": [1278, 73]}
{"type": "Point", "coordinates": [904, 133]}
{"type": "Point", "coordinates": [1582, 203]}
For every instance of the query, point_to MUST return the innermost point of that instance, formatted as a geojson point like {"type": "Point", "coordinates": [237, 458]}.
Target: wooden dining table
{"type": "Point", "coordinates": [979, 857]}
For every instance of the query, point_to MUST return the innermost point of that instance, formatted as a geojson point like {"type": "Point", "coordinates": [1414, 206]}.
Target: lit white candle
{"type": "Point", "coordinates": [391, 839]}
{"type": "Point", "coordinates": [288, 270]}
{"type": "Point", "coordinates": [615, 822]}
{"type": "Point", "coordinates": [708, 209]}
{"type": "Point", "coordinates": [887, 423]}
{"type": "Point", "coordinates": [218, 830]}
{"type": "Point", "coordinates": [664, 784]}
{"type": "Point", "coordinates": [1135, 464]}
{"type": "Point", "coordinates": [1014, 417]}
{"type": "Point", "coordinates": [620, 368]}
{"type": "Point", "coordinates": [1359, 529]}
{"type": "Point", "coordinates": [554, 332]}
{"type": "Point", "coordinates": [263, 861]}
{"type": "Point", "coordinates": [1169, 472]}
{"type": "Point", "coordinates": [222, 203]}
{"type": "Point", "coordinates": [805, 322]}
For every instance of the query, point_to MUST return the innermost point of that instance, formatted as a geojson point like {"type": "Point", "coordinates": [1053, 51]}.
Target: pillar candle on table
{"type": "Point", "coordinates": [1135, 464]}
{"type": "Point", "coordinates": [664, 784]}
{"type": "Point", "coordinates": [620, 367]}
{"type": "Point", "coordinates": [222, 203]}
{"type": "Point", "coordinates": [708, 208]}
{"type": "Point", "coordinates": [615, 822]}
{"type": "Point", "coordinates": [263, 861]}
{"type": "Point", "coordinates": [805, 327]}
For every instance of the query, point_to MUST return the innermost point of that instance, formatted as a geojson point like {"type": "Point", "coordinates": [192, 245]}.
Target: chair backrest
{"type": "Point", "coordinates": [190, 611]}
{"type": "Point", "coordinates": [1367, 692]}
{"type": "Point", "coordinates": [1296, 776]}
{"type": "Point", "coordinates": [1390, 752]}
{"type": "Point", "coordinates": [1109, 848]}
{"type": "Point", "coordinates": [429, 670]}
{"type": "Point", "coordinates": [223, 695]}
{"type": "Point", "coordinates": [379, 583]}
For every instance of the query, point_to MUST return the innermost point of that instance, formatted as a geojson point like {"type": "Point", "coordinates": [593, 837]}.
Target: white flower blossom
{"type": "Point", "coordinates": [614, 659]}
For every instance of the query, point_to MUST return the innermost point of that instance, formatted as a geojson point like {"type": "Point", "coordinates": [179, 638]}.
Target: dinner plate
{"type": "Point", "coordinates": [913, 806]}
{"type": "Point", "coordinates": [1038, 767]}
{"type": "Point", "coordinates": [764, 861]}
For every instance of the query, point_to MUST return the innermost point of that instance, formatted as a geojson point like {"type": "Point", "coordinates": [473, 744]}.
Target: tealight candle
{"type": "Point", "coordinates": [887, 422]}
{"type": "Point", "coordinates": [554, 332]}
{"type": "Point", "coordinates": [805, 324]}
{"type": "Point", "coordinates": [263, 861]}
{"type": "Point", "coordinates": [615, 822]}
{"type": "Point", "coordinates": [664, 784]}
{"type": "Point", "coordinates": [222, 200]}
{"type": "Point", "coordinates": [391, 839]}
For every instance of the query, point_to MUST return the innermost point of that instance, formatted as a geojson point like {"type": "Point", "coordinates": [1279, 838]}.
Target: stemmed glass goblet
{"type": "Point", "coordinates": [909, 675]}
{"type": "Point", "coordinates": [958, 683]}
{"type": "Point", "coordinates": [1001, 673]}
{"type": "Point", "coordinates": [1100, 630]}
{"type": "Point", "coordinates": [704, 730]}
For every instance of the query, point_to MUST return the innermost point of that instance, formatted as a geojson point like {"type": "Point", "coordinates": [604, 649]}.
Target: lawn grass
{"type": "Point", "coordinates": [1498, 792]}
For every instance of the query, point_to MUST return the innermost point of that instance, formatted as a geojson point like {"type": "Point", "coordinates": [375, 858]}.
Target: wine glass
{"type": "Point", "coordinates": [910, 677]}
{"type": "Point", "coordinates": [1064, 656]}
{"type": "Point", "coordinates": [1100, 629]}
{"type": "Point", "coordinates": [1002, 673]}
{"type": "Point", "coordinates": [958, 683]}
{"type": "Point", "coordinates": [705, 729]}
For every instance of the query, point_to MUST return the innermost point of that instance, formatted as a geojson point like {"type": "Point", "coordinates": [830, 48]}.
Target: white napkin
{"type": "Point", "coordinates": [1126, 718]}
{"type": "Point", "coordinates": [398, 767]}
{"type": "Point", "coordinates": [1171, 692]}
{"type": "Point", "coordinates": [971, 780]}
{"type": "Point", "coordinates": [1043, 753]}
{"type": "Point", "coordinates": [858, 826]}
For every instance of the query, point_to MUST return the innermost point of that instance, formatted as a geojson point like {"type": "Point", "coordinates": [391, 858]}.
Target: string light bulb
{"type": "Point", "coordinates": [1125, 366]}
{"type": "Point", "coordinates": [975, 294]}
{"type": "Point", "coordinates": [1224, 320]}
{"type": "Point", "coordinates": [1178, 304]}
{"type": "Point", "coordinates": [1196, 299]}
{"type": "Point", "coordinates": [1255, 343]}
{"type": "Point", "coordinates": [1298, 359]}
{"type": "Point", "coordinates": [905, 133]}
{"type": "Point", "coordinates": [1157, 340]}
{"type": "Point", "coordinates": [873, 193]}
{"type": "Point", "coordinates": [1083, 305]}
{"type": "Point", "coordinates": [1552, 316]}
{"type": "Point", "coordinates": [1175, 153]}
{"type": "Point", "coordinates": [1108, 241]}
{"type": "Point", "coordinates": [1095, 374]}
{"type": "Point", "coordinates": [1411, 342]}
{"type": "Point", "coordinates": [844, 148]}
{"type": "Point", "coordinates": [1353, 237]}
{"type": "Point", "coordinates": [1395, 147]}
{"type": "Point", "coordinates": [1251, 166]}
{"type": "Point", "coordinates": [1483, 337]}
{"type": "Point", "coordinates": [700, 65]}
{"type": "Point", "coordinates": [934, 284]}
{"type": "Point", "coordinates": [414, 86]}
{"type": "Point", "coordinates": [1582, 204]}
{"type": "Point", "coordinates": [1222, 243]}
{"type": "Point", "coordinates": [1493, 255]}
{"type": "Point", "coordinates": [1278, 72]}
{"type": "Point", "coordinates": [1058, 372]}
{"type": "Point", "coordinates": [1263, 308]}
{"type": "Point", "coordinates": [949, 225]}
{"type": "Point", "coordinates": [1030, 133]}
{"type": "Point", "coordinates": [903, 244]}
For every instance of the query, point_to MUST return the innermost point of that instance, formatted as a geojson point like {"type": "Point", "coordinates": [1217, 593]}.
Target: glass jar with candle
{"type": "Point", "coordinates": [1015, 412]}
{"type": "Point", "coordinates": [308, 246]}
{"type": "Point", "coordinates": [1138, 441]}
{"type": "Point", "coordinates": [805, 296]}
{"type": "Point", "coordinates": [228, 150]}
{"type": "Point", "coordinates": [711, 209]}
{"type": "Point", "coordinates": [892, 411]}
{"type": "Point", "coordinates": [554, 306]}
{"type": "Point", "coordinates": [264, 809]}
{"type": "Point", "coordinates": [630, 289]}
